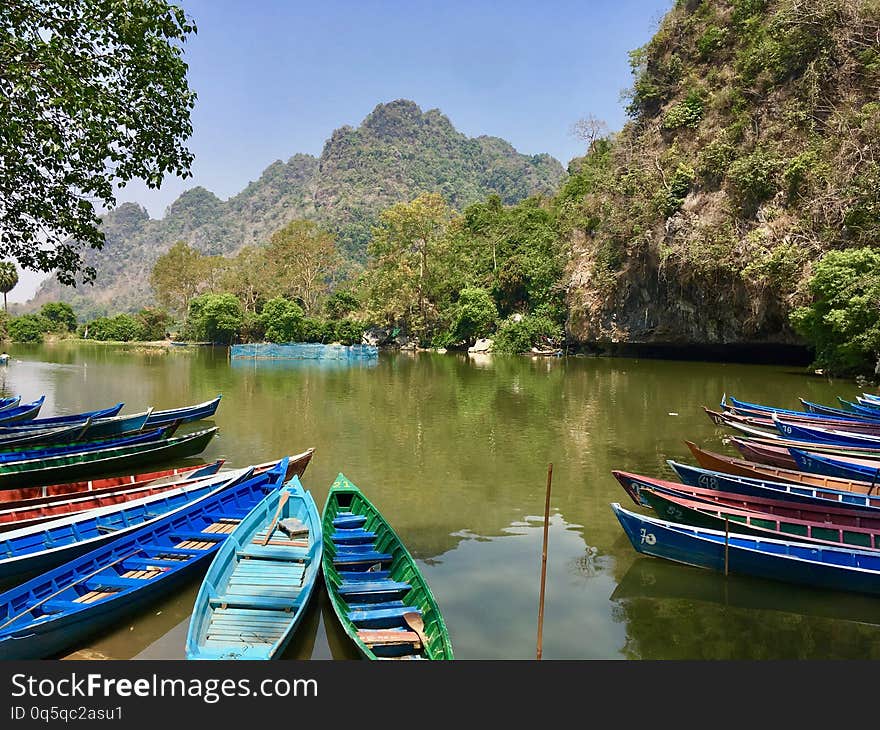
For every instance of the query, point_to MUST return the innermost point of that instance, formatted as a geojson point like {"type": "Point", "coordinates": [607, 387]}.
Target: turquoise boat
{"type": "Point", "coordinates": [259, 584]}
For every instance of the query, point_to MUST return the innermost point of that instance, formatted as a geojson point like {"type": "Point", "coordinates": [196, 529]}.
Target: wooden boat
{"type": "Point", "coordinates": [261, 580]}
{"type": "Point", "coordinates": [77, 466]}
{"type": "Point", "coordinates": [44, 437]}
{"type": "Point", "coordinates": [816, 434]}
{"type": "Point", "coordinates": [873, 398]}
{"type": "Point", "coordinates": [823, 411]}
{"type": "Point", "coordinates": [756, 499]}
{"type": "Point", "coordinates": [109, 423]}
{"type": "Point", "coordinates": [867, 470]}
{"type": "Point", "coordinates": [820, 566]}
{"type": "Point", "coordinates": [89, 429]}
{"type": "Point", "coordinates": [860, 409]}
{"type": "Point", "coordinates": [678, 508]}
{"type": "Point", "coordinates": [6, 417]}
{"type": "Point", "coordinates": [11, 402]}
{"type": "Point", "coordinates": [28, 512]}
{"type": "Point", "coordinates": [765, 427]}
{"type": "Point", "coordinates": [25, 412]}
{"type": "Point", "coordinates": [35, 511]}
{"type": "Point", "coordinates": [730, 465]}
{"type": "Point", "coordinates": [697, 477]}
{"type": "Point", "coordinates": [745, 408]}
{"type": "Point", "coordinates": [27, 452]}
{"type": "Point", "coordinates": [375, 586]}
{"type": "Point", "coordinates": [52, 612]}
{"type": "Point", "coordinates": [29, 550]}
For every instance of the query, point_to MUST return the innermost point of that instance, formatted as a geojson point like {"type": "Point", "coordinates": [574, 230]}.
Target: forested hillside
{"type": "Point", "coordinates": [753, 148]}
{"type": "Point", "coordinates": [397, 153]}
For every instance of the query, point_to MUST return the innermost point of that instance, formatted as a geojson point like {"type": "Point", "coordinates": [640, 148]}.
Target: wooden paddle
{"type": "Point", "coordinates": [414, 621]}
{"type": "Point", "coordinates": [285, 495]}
{"type": "Point", "coordinates": [69, 585]}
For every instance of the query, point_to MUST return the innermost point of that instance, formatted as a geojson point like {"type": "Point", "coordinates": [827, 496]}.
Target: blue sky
{"type": "Point", "coordinates": [275, 78]}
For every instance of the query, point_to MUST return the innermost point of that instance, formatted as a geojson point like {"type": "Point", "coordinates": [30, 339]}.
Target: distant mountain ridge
{"type": "Point", "coordinates": [396, 153]}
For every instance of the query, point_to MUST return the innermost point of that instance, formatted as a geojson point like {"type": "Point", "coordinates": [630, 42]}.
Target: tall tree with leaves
{"type": "Point", "coordinates": [93, 94]}
{"type": "Point", "coordinates": [405, 244]}
{"type": "Point", "coordinates": [178, 276]}
{"type": "Point", "coordinates": [303, 258]}
{"type": "Point", "coordinates": [8, 280]}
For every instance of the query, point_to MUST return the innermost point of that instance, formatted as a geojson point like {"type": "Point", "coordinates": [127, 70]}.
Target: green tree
{"type": "Point", "coordinates": [94, 95]}
{"type": "Point", "coordinates": [28, 328]}
{"type": "Point", "coordinates": [247, 275]}
{"type": "Point", "coordinates": [8, 279]}
{"type": "Point", "coordinates": [843, 320]}
{"type": "Point", "coordinates": [475, 315]}
{"type": "Point", "coordinates": [401, 276]}
{"type": "Point", "coordinates": [517, 335]}
{"type": "Point", "coordinates": [303, 260]}
{"type": "Point", "coordinates": [119, 328]}
{"type": "Point", "coordinates": [178, 276]}
{"type": "Point", "coordinates": [61, 315]}
{"type": "Point", "coordinates": [282, 320]}
{"type": "Point", "coordinates": [215, 318]}
{"type": "Point", "coordinates": [154, 323]}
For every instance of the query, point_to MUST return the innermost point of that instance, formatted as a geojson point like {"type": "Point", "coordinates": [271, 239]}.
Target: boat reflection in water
{"type": "Point", "coordinates": [659, 582]}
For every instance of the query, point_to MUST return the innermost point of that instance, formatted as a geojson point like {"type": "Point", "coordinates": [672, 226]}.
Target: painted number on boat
{"type": "Point", "coordinates": [648, 537]}
{"type": "Point", "coordinates": [707, 481]}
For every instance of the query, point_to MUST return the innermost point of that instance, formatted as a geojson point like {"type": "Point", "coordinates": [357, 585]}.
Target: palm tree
{"type": "Point", "coordinates": [8, 279]}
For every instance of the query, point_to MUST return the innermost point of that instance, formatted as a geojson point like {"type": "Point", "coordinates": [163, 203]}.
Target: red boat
{"type": "Point", "coordinates": [844, 516]}
{"type": "Point", "coordinates": [740, 467]}
{"type": "Point", "coordinates": [26, 512]}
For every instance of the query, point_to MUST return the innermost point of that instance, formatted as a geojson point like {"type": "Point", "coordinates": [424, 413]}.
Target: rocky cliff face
{"type": "Point", "coordinates": [398, 152]}
{"type": "Point", "coordinates": [753, 148]}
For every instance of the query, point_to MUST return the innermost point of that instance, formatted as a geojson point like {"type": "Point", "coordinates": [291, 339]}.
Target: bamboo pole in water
{"type": "Point", "coordinates": [544, 562]}
{"type": "Point", "coordinates": [726, 543]}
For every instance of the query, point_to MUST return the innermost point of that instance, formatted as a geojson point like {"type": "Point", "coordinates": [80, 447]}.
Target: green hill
{"type": "Point", "coordinates": [398, 152]}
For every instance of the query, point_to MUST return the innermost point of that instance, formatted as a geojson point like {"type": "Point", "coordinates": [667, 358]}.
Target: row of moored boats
{"type": "Point", "coordinates": [802, 505]}
{"type": "Point", "coordinates": [76, 557]}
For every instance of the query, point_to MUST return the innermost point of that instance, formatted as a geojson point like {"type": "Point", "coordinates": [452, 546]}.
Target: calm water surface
{"type": "Point", "coordinates": [454, 451]}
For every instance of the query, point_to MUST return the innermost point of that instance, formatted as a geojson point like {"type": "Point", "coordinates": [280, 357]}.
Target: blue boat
{"type": "Point", "coordinates": [819, 435]}
{"type": "Point", "coordinates": [26, 412]}
{"type": "Point", "coordinates": [11, 402]}
{"type": "Point", "coordinates": [823, 411]}
{"type": "Point", "coordinates": [698, 477]}
{"type": "Point", "coordinates": [29, 550]}
{"type": "Point", "coordinates": [53, 421]}
{"type": "Point", "coordinates": [861, 410]}
{"type": "Point", "coordinates": [108, 424]}
{"type": "Point", "coordinates": [831, 466]}
{"type": "Point", "coordinates": [61, 608]}
{"type": "Point", "coordinates": [833, 568]}
{"type": "Point", "coordinates": [82, 447]}
{"type": "Point", "coordinates": [259, 584]}
{"type": "Point", "coordinates": [756, 409]}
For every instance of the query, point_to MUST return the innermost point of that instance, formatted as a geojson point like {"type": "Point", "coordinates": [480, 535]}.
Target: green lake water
{"type": "Point", "coordinates": [454, 451]}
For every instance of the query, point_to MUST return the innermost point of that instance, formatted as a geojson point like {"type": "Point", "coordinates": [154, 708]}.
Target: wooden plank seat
{"type": "Point", "coordinates": [347, 519]}
{"type": "Point", "coordinates": [350, 575]}
{"type": "Point", "coordinates": [278, 538]}
{"type": "Point", "coordinates": [343, 537]}
{"type": "Point", "coordinates": [57, 605]}
{"type": "Point", "coordinates": [170, 552]}
{"type": "Point", "coordinates": [361, 558]}
{"type": "Point", "coordinates": [383, 615]}
{"type": "Point", "coordinates": [363, 590]}
{"type": "Point", "coordinates": [278, 604]}
{"type": "Point", "coordinates": [356, 547]}
{"type": "Point", "coordinates": [198, 536]}
{"type": "Point", "coordinates": [273, 553]}
{"type": "Point", "coordinates": [386, 637]}
{"type": "Point", "coordinates": [111, 581]}
{"type": "Point", "coordinates": [106, 528]}
{"type": "Point", "coordinates": [147, 563]}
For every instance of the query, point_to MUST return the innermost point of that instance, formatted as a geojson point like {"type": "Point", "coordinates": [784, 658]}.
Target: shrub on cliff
{"type": "Point", "coordinates": [843, 321]}
{"type": "Point", "coordinates": [516, 335]}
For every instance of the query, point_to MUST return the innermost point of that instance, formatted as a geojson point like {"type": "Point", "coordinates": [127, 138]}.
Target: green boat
{"type": "Point", "coordinates": [377, 591]}
{"type": "Point", "coordinates": [70, 467]}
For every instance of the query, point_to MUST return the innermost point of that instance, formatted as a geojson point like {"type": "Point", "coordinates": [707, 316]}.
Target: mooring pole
{"type": "Point", "coordinates": [544, 562]}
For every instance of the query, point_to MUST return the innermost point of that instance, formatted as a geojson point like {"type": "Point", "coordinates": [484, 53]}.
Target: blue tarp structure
{"type": "Point", "coordinates": [304, 351]}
